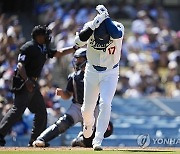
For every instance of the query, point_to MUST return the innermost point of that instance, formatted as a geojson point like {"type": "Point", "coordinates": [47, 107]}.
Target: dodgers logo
{"type": "Point", "coordinates": [99, 46]}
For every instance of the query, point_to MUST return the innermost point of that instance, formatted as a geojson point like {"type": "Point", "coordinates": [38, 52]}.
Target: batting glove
{"type": "Point", "coordinates": [101, 9]}
{"type": "Point", "coordinates": [97, 21]}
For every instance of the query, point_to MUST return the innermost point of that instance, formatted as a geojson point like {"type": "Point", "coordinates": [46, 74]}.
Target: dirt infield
{"type": "Point", "coordinates": [136, 149]}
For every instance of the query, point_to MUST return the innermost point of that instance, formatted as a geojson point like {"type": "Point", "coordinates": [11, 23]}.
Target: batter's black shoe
{"type": "Point", "coordinates": [97, 147]}
{"type": "Point", "coordinates": [2, 141]}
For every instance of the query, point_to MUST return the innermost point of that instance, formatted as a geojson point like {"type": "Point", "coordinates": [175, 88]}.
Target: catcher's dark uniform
{"type": "Point", "coordinates": [33, 55]}
{"type": "Point", "coordinates": [76, 86]}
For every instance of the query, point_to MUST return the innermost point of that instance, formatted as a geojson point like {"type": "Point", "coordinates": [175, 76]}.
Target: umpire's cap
{"type": "Point", "coordinates": [40, 30]}
{"type": "Point", "coordinates": [81, 52]}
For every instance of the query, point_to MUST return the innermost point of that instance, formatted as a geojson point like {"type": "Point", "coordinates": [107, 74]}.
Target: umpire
{"type": "Point", "coordinates": [33, 55]}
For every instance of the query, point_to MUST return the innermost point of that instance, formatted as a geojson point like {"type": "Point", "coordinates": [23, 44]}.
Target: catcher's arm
{"type": "Point", "coordinates": [64, 94]}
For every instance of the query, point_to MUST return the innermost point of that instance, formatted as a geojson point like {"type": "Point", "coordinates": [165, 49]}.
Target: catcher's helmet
{"type": "Point", "coordinates": [78, 64]}
{"type": "Point", "coordinates": [81, 52]}
{"type": "Point", "coordinates": [41, 30]}
{"type": "Point", "coordinates": [101, 34]}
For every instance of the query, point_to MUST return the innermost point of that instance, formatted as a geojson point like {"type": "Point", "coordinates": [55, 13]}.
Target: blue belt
{"type": "Point", "coordinates": [99, 68]}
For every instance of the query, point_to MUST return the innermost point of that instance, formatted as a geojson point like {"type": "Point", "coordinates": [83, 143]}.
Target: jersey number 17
{"type": "Point", "coordinates": [111, 50]}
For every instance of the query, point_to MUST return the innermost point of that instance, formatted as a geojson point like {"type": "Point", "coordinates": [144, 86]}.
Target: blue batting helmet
{"type": "Point", "coordinates": [101, 34]}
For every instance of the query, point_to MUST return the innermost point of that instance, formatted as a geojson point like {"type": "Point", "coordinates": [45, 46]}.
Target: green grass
{"type": "Point", "coordinates": [90, 152]}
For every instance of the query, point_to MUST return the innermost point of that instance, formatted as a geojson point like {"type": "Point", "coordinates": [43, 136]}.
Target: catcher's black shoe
{"type": "Point", "coordinates": [30, 145]}
{"type": "Point", "coordinates": [78, 142]}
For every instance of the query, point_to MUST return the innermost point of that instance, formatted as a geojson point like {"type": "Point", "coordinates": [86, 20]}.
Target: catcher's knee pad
{"type": "Point", "coordinates": [109, 130]}
{"type": "Point", "coordinates": [64, 123]}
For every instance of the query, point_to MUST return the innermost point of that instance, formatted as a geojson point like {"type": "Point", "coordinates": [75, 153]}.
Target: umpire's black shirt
{"type": "Point", "coordinates": [34, 55]}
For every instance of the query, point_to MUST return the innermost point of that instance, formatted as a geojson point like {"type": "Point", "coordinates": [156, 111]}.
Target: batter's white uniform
{"type": "Point", "coordinates": [103, 82]}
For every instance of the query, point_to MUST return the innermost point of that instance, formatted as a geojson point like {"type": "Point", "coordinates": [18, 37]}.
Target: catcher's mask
{"type": "Point", "coordinates": [79, 60]}
{"type": "Point", "coordinates": [42, 30]}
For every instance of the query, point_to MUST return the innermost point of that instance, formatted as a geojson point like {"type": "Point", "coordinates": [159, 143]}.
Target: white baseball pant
{"type": "Point", "coordinates": [95, 82]}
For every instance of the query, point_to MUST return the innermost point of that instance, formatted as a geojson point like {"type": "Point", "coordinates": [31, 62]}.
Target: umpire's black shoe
{"type": "Point", "coordinates": [2, 141]}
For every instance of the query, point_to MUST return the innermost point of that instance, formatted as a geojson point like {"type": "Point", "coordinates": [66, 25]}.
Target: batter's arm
{"type": "Point", "coordinates": [64, 94]}
{"type": "Point", "coordinates": [115, 31]}
{"type": "Point", "coordinates": [88, 29]}
{"type": "Point", "coordinates": [83, 36]}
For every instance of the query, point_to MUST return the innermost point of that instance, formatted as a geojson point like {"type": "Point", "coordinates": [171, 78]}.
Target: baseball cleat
{"type": "Point", "coordinates": [2, 142]}
{"type": "Point", "coordinates": [78, 142]}
{"type": "Point", "coordinates": [97, 147]}
{"type": "Point", "coordinates": [39, 143]}
{"type": "Point", "coordinates": [88, 131]}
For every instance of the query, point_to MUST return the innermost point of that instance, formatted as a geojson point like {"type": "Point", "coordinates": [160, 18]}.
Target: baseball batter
{"type": "Point", "coordinates": [101, 72]}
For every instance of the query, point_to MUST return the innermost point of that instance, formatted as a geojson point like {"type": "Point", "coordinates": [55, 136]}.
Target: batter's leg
{"type": "Point", "coordinates": [107, 91]}
{"type": "Point", "coordinates": [91, 92]}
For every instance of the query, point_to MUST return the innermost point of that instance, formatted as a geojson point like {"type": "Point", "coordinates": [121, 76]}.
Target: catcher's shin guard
{"type": "Point", "coordinates": [50, 133]}
{"type": "Point", "coordinates": [56, 129]}
{"type": "Point", "coordinates": [64, 123]}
